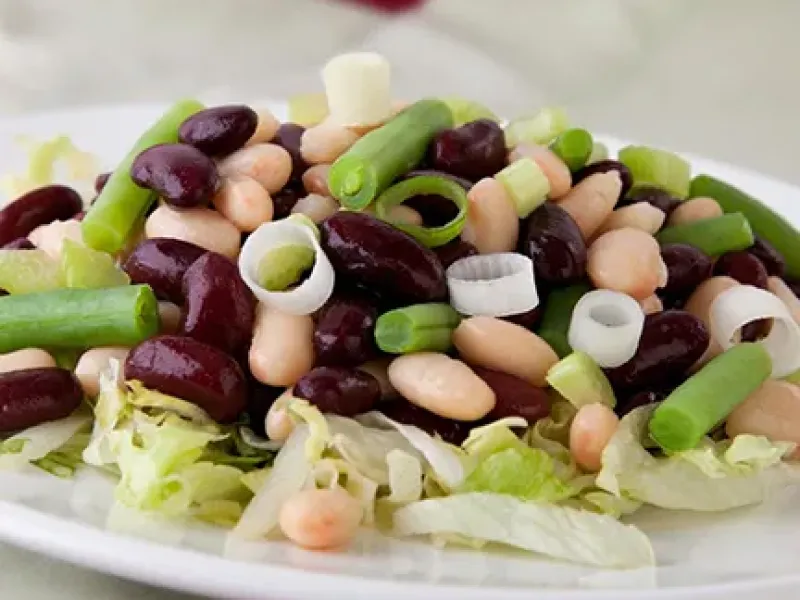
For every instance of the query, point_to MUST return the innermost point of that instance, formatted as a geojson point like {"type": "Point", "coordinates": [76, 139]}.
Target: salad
{"type": "Point", "coordinates": [407, 317]}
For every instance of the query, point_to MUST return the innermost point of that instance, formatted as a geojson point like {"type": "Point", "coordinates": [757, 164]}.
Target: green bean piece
{"type": "Point", "coordinates": [574, 147]}
{"type": "Point", "coordinates": [715, 236]}
{"type": "Point", "coordinates": [119, 316]}
{"type": "Point", "coordinates": [113, 217]}
{"type": "Point", "coordinates": [424, 185]}
{"type": "Point", "coordinates": [282, 267]}
{"type": "Point", "coordinates": [557, 315]}
{"type": "Point", "coordinates": [581, 381]}
{"type": "Point", "coordinates": [417, 328]}
{"type": "Point", "coordinates": [766, 223]}
{"type": "Point", "coordinates": [377, 159]}
{"type": "Point", "coordinates": [704, 400]}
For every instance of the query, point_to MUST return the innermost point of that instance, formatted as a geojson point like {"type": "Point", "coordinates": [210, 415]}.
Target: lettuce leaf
{"type": "Point", "coordinates": [405, 477]}
{"type": "Point", "coordinates": [56, 443]}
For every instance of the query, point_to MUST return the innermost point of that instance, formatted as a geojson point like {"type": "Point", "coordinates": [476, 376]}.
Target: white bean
{"type": "Point", "coordinates": [244, 202]}
{"type": "Point", "coordinates": [316, 207]}
{"type": "Point", "coordinates": [325, 143]}
{"type": "Point", "coordinates": [266, 128]}
{"type": "Point", "coordinates": [282, 350]}
{"type": "Point", "coordinates": [641, 215]}
{"type": "Point", "coordinates": [169, 315]}
{"type": "Point", "coordinates": [379, 369]}
{"type": "Point", "coordinates": [591, 202]}
{"type": "Point", "coordinates": [628, 261]}
{"type": "Point", "coordinates": [492, 222]}
{"type": "Point", "coordinates": [269, 164]}
{"type": "Point", "coordinates": [50, 237]}
{"type": "Point", "coordinates": [93, 362]}
{"type": "Point", "coordinates": [777, 286]}
{"type": "Point", "coordinates": [278, 423]}
{"type": "Point", "coordinates": [324, 519]}
{"type": "Point", "coordinates": [695, 209]}
{"type": "Point", "coordinates": [699, 304]}
{"type": "Point", "coordinates": [200, 226]}
{"type": "Point", "coordinates": [552, 166]}
{"type": "Point", "coordinates": [315, 180]}
{"type": "Point", "coordinates": [27, 358]}
{"type": "Point", "coordinates": [651, 304]}
{"type": "Point", "coordinates": [592, 428]}
{"type": "Point", "coordinates": [773, 410]}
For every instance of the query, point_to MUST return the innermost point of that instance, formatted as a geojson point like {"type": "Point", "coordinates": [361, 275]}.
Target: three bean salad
{"type": "Point", "coordinates": [409, 317]}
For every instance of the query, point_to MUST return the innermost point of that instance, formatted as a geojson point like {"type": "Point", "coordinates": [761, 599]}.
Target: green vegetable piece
{"type": "Point", "coordinates": [282, 267]}
{"type": "Point", "coordinates": [426, 184]}
{"type": "Point", "coordinates": [541, 128]}
{"type": "Point", "coordinates": [120, 316]}
{"type": "Point", "coordinates": [709, 396]}
{"type": "Point", "coordinates": [66, 358]}
{"type": "Point", "coordinates": [526, 184]}
{"type": "Point", "coordinates": [793, 378]}
{"type": "Point", "coordinates": [377, 159]}
{"type": "Point", "coordinates": [574, 147]}
{"type": "Point", "coordinates": [765, 222]}
{"type": "Point", "coordinates": [599, 152]}
{"type": "Point", "coordinates": [659, 168]}
{"type": "Point", "coordinates": [29, 271]}
{"type": "Point", "coordinates": [85, 268]}
{"type": "Point", "coordinates": [466, 111]}
{"type": "Point", "coordinates": [579, 379]}
{"type": "Point", "coordinates": [304, 220]}
{"type": "Point", "coordinates": [557, 315]}
{"type": "Point", "coordinates": [417, 328]}
{"type": "Point", "coordinates": [308, 109]}
{"type": "Point", "coordinates": [715, 236]}
{"type": "Point", "coordinates": [115, 213]}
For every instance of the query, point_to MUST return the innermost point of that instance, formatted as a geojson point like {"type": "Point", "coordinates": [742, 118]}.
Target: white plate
{"type": "Point", "coordinates": [742, 554]}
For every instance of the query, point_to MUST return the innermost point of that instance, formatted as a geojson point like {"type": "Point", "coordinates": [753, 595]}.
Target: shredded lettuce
{"type": "Point", "coordinates": [254, 480]}
{"type": "Point", "coordinates": [405, 477]}
{"type": "Point", "coordinates": [55, 446]}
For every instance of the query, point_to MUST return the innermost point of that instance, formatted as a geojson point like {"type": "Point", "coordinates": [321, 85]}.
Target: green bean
{"type": "Point", "coordinates": [557, 315]}
{"type": "Point", "coordinates": [704, 400]}
{"type": "Point", "coordinates": [578, 378]}
{"type": "Point", "coordinates": [112, 218]}
{"type": "Point", "coordinates": [418, 328]}
{"type": "Point", "coordinates": [715, 237]}
{"type": "Point", "coordinates": [574, 147]}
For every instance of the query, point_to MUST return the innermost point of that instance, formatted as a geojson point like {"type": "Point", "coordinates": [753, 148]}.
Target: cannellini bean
{"type": "Point", "coordinates": [628, 261]}
{"type": "Point", "coordinates": [552, 166]}
{"type": "Point", "coordinates": [699, 304]}
{"type": "Point", "coordinates": [282, 350]}
{"type": "Point", "coordinates": [651, 305]}
{"type": "Point", "coordinates": [773, 410]}
{"type": "Point", "coordinates": [266, 128]}
{"type": "Point", "coordinates": [269, 164]}
{"type": "Point", "coordinates": [443, 385]}
{"type": "Point", "coordinates": [315, 180]}
{"type": "Point", "coordinates": [200, 226]}
{"type": "Point", "coordinates": [695, 209]}
{"type": "Point", "coordinates": [50, 237]}
{"type": "Point", "coordinates": [592, 428]}
{"type": "Point", "coordinates": [506, 347]}
{"type": "Point", "coordinates": [492, 222]}
{"type": "Point", "coordinates": [325, 143]}
{"type": "Point", "coordinates": [316, 207]}
{"type": "Point", "coordinates": [641, 215]}
{"type": "Point", "coordinates": [324, 519]}
{"type": "Point", "coordinates": [591, 202]}
{"type": "Point", "coordinates": [379, 369]}
{"type": "Point", "coordinates": [278, 423]}
{"type": "Point", "coordinates": [169, 315]}
{"type": "Point", "coordinates": [399, 213]}
{"type": "Point", "coordinates": [777, 286]}
{"type": "Point", "coordinates": [244, 202]}
{"type": "Point", "coordinates": [27, 358]}
{"type": "Point", "coordinates": [93, 362]}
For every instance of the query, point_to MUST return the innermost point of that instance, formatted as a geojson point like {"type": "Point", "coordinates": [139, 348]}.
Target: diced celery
{"type": "Point", "coordinates": [578, 379]}
{"type": "Point", "coordinates": [29, 271]}
{"type": "Point", "coordinates": [85, 268]}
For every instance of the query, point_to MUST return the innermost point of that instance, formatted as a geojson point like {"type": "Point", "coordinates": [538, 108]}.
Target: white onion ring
{"type": "Point", "coordinates": [743, 304]}
{"type": "Point", "coordinates": [305, 298]}
{"type": "Point", "coordinates": [492, 285]}
{"type": "Point", "coordinates": [607, 326]}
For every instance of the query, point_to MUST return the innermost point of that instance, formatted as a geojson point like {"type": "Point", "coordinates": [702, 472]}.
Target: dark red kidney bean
{"type": "Point", "coordinates": [190, 370]}
{"type": "Point", "coordinates": [375, 254]}
{"type": "Point", "coordinates": [771, 259]}
{"type": "Point", "coordinates": [435, 210]}
{"type": "Point", "coordinates": [80, 216]}
{"type": "Point", "coordinates": [161, 263]}
{"type": "Point", "coordinates": [100, 181]}
{"type": "Point", "coordinates": [33, 396]}
{"type": "Point", "coordinates": [283, 202]}
{"type": "Point", "coordinates": [22, 243]}
{"type": "Point", "coordinates": [794, 285]}
{"type": "Point", "coordinates": [220, 130]}
{"type": "Point", "coordinates": [756, 330]}
{"type": "Point", "coordinates": [402, 411]}
{"type": "Point", "coordinates": [687, 267]}
{"type": "Point", "coordinates": [38, 207]}
{"type": "Point", "coordinates": [670, 343]}
{"type": "Point", "coordinates": [528, 320]}
{"type": "Point", "coordinates": [345, 332]}
{"type": "Point", "coordinates": [638, 399]}
{"type": "Point", "coordinates": [453, 251]}
{"type": "Point", "coordinates": [219, 308]}
{"type": "Point", "coordinates": [288, 137]}
{"type": "Point", "coordinates": [554, 242]}
{"type": "Point", "coordinates": [339, 390]}
{"type": "Point", "coordinates": [475, 150]}
{"type": "Point", "coordinates": [654, 196]}
{"type": "Point", "coordinates": [743, 267]}
{"type": "Point", "coordinates": [182, 175]}
{"type": "Point", "coordinates": [259, 400]}
{"type": "Point", "coordinates": [465, 183]}
{"type": "Point", "coordinates": [515, 397]}
{"type": "Point", "coordinates": [604, 166]}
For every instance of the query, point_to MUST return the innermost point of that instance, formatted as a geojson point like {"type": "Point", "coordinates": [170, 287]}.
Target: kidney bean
{"type": "Point", "coordinates": [638, 399]}
{"type": "Point", "coordinates": [604, 166]}
{"type": "Point", "coordinates": [475, 150]}
{"type": "Point", "coordinates": [266, 127]}
{"type": "Point", "coordinates": [219, 308]}
{"type": "Point", "coordinates": [755, 330]}
{"type": "Point", "coordinates": [190, 370]}
{"type": "Point", "coordinates": [259, 400]}
{"type": "Point", "coordinates": [93, 362]}
{"type": "Point", "coordinates": [687, 267]}
{"type": "Point", "coordinates": [27, 358]}
{"type": "Point", "coordinates": [743, 267]}
{"type": "Point", "coordinates": [435, 210]}
{"type": "Point", "coordinates": [377, 255]}
{"type": "Point", "coordinates": [555, 243]}
{"type": "Point", "coordinates": [692, 210]}
{"type": "Point", "coordinates": [220, 130]}
{"type": "Point", "coordinates": [200, 226]}
{"type": "Point", "coordinates": [655, 196]}
{"type": "Point", "coordinates": [100, 181]}
{"type": "Point", "coordinates": [771, 259]}
{"type": "Point", "coordinates": [453, 251]}
{"type": "Point", "coordinates": [628, 261]}
{"type": "Point", "coordinates": [339, 390]}
{"type": "Point", "coordinates": [36, 208]}
{"type": "Point", "coordinates": [402, 411]}
{"type": "Point", "coordinates": [345, 331]}
{"type": "Point", "coordinates": [379, 369]}
{"type": "Point", "coordinates": [289, 137]}
{"type": "Point", "coordinates": [591, 202]}
{"type": "Point", "coordinates": [161, 263]}
{"type": "Point", "coordinates": [670, 343]}
{"type": "Point", "coordinates": [282, 349]}
{"type": "Point", "coordinates": [284, 201]}
{"type": "Point", "coordinates": [180, 174]}
{"type": "Point", "coordinates": [557, 173]}
{"type": "Point", "coordinates": [592, 428]}
{"type": "Point", "coordinates": [20, 244]}
{"type": "Point", "coordinates": [528, 319]}
{"type": "Point", "coordinates": [33, 396]}
{"type": "Point", "coordinates": [515, 397]}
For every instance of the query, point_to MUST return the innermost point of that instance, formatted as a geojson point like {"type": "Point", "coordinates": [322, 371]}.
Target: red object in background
{"type": "Point", "coordinates": [390, 5]}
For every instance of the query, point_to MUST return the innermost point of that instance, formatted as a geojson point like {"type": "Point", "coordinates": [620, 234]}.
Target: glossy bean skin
{"type": "Point", "coordinates": [282, 348]}
{"type": "Point", "coordinates": [220, 130]}
{"type": "Point", "coordinates": [345, 331]}
{"type": "Point", "coordinates": [200, 226]}
{"type": "Point", "coordinates": [377, 255]}
{"type": "Point", "coordinates": [687, 267]}
{"type": "Point", "coordinates": [19, 244]}
{"type": "Point", "coordinates": [695, 209]}
{"type": "Point", "coordinates": [515, 397]}
{"type": "Point", "coordinates": [435, 210]}
{"type": "Point", "coordinates": [628, 261]}
{"type": "Point", "coordinates": [554, 242]}
{"type": "Point", "coordinates": [379, 369]}
{"type": "Point", "coordinates": [453, 251]}
{"type": "Point", "coordinates": [180, 174]}
{"type": "Point", "coordinates": [654, 196]}
{"type": "Point", "coordinates": [219, 308]}
{"type": "Point", "coordinates": [260, 399]}
{"type": "Point", "coordinates": [100, 181]}
{"type": "Point", "coordinates": [403, 411]}
{"type": "Point", "coordinates": [528, 320]}
{"type": "Point", "coordinates": [289, 137]}
{"type": "Point", "coordinates": [161, 263]}
{"type": "Point", "coordinates": [744, 267]}
{"type": "Point", "coordinates": [192, 371]}
{"type": "Point", "coordinates": [492, 224]}
{"type": "Point", "coordinates": [27, 358]}
{"type": "Point", "coordinates": [592, 428]}
{"type": "Point", "coordinates": [33, 396]}
{"type": "Point", "coordinates": [591, 202]}
{"type": "Point", "coordinates": [638, 399]}
{"type": "Point", "coordinates": [772, 410]}
{"type": "Point", "coordinates": [36, 208]}
{"type": "Point", "coordinates": [606, 166]}
{"type": "Point", "coordinates": [269, 164]}
{"type": "Point", "coordinates": [321, 519]}
{"type": "Point", "coordinates": [670, 343]}
{"type": "Point", "coordinates": [244, 202]}
{"type": "Point", "coordinates": [339, 390]}
{"type": "Point", "coordinates": [475, 150]}
{"type": "Point", "coordinates": [285, 200]}
{"type": "Point", "coordinates": [771, 259]}
{"type": "Point", "coordinates": [93, 362]}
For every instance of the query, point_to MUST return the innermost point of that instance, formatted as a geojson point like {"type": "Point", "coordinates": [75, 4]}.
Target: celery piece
{"type": "Point", "coordinates": [541, 128]}
{"type": "Point", "coordinates": [85, 268]}
{"type": "Point", "coordinates": [465, 111]}
{"type": "Point", "coordinates": [526, 184]}
{"type": "Point", "coordinates": [29, 271]}
{"type": "Point", "coordinates": [578, 379]}
{"type": "Point", "coordinates": [308, 109]}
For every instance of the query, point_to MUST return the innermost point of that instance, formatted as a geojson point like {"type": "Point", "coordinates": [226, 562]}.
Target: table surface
{"type": "Point", "coordinates": [717, 78]}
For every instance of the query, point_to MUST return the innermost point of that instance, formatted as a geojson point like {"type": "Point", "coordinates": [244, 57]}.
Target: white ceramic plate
{"type": "Point", "coordinates": [742, 554]}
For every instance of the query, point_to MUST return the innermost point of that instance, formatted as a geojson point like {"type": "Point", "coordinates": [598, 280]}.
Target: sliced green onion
{"type": "Point", "coordinates": [29, 271]}
{"type": "Point", "coordinates": [526, 183]}
{"type": "Point", "coordinates": [599, 152]}
{"type": "Point", "coordinates": [418, 328]}
{"type": "Point", "coordinates": [578, 378]}
{"type": "Point", "coordinates": [574, 147]}
{"type": "Point", "coordinates": [715, 236]}
{"type": "Point", "coordinates": [282, 267]}
{"type": "Point", "coordinates": [308, 109]}
{"type": "Point", "coordinates": [542, 128]}
{"type": "Point", "coordinates": [659, 168]}
{"type": "Point", "coordinates": [85, 268]}
{"type": "Point", "coordinates": [426, 184]}
{"type": "Point", "coordinates": [465, 111]}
